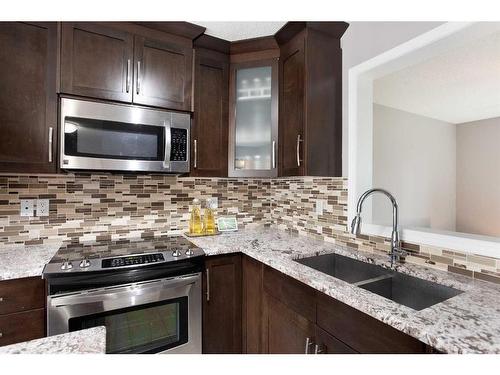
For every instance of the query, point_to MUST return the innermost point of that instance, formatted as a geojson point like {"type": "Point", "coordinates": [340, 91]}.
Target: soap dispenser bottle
{"type": "Point", "coordinates": [195, 224]}
{"type": "Point", "coordinates": [209, 217]}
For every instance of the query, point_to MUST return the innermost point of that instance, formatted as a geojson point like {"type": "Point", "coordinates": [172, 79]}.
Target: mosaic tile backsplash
{"type": "Point", "coordinates": [88, 207]}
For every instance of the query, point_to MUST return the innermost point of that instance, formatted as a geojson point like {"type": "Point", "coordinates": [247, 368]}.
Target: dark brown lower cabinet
{"type": "Point", "coordinates": [252, 306]}
{"type": "Point", "coordinates": [222, 305]}
{"type": "Point", "coordinates": [362, 332]}
{"type": "Point", "coordinates": [282, 315]}
{"type": "Point", "coordinates": [285, 331]}
{"type": "Point", "coordinates": [22, 310]}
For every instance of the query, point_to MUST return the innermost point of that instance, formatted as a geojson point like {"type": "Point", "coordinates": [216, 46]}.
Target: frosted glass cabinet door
{"type": "Point", "coordinates": [253, 130]}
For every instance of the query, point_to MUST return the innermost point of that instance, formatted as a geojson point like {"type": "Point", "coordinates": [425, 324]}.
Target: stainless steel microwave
{"type": "Point", "coordinates": [115, 137]}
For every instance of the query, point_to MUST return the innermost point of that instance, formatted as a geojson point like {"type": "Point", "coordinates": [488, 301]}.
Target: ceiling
{"type": "Point", "coordinates": [233, 31]}
{"type": "Point", "coordinates": [459, 86]}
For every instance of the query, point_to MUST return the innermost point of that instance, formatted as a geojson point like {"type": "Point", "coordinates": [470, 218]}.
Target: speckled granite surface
{"type": "Point", "coordinates": [87, 341]}
{"type": "Point", "coordinates": [467, 323]}
{"type": "Point", "coordinates": [18, 261]}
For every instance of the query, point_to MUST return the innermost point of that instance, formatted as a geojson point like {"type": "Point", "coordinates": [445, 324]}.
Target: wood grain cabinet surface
{"type": "Point", "coordinates": [28, 98]}
{"type": "Point", "coordinates": [310, 115]}
{"type": "Point", "coordinates": [127, 63]}
{"type": "Point", "coordinates": [209, 130]}
{"type": "Point", "coordinates": [222, 305]}
{"type": "Point", "coordinates": [96, 61]}
{"type": "Point", "coordinates": [283, 315]}
{"type": "Point", "coordinates": [22, 310]}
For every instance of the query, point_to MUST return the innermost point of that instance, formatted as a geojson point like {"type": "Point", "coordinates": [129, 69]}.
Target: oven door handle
{"type": "Point", "coordinates": [128, 295]}
{"type": "Point", "coordinates": [168, 144]}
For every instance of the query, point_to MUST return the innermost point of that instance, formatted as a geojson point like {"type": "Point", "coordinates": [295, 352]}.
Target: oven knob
{"type": "Point", "coordinates": [67, 265]}
{"type": "Point", "coordinates": [176, 253]}
{"type": "Point", "coordinates": [85, 263]}
{"type": "Point", "coordinates": [189, 252]}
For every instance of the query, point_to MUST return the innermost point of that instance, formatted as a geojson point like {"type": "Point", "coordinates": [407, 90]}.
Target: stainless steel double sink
{"type": "Point", "coordinates": [406, 290]}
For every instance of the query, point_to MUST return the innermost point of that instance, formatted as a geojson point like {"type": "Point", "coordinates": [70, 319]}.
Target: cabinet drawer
{"type": "Point", "coordinates": [297, 296]}
{"type": "Point", "coordinates": [21, 294]}
{"type": "Point", "coordinates": [362, 332]}
{"type": "Point", "coordinates": [22, 326]}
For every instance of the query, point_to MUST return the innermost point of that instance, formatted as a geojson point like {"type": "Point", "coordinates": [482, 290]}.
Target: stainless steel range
{"type": "Point", "coordinates": [146, 292]}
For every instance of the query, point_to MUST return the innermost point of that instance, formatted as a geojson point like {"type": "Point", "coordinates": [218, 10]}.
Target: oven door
{"type": "Point", "coordinates": [148, 317]}
{"type": "Point", "coordinates": [104, 136]}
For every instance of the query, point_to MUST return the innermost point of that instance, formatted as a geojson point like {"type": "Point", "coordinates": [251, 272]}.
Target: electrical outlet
{"type": "Point", "coordinates": [320, 206]}
{"type": "Point", "coordinates": [27, 207]}
{"type": "Point", "coordinates": [42, 207]}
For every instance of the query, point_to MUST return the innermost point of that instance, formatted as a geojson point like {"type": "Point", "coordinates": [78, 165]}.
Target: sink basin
{"type": "Point", "coordinates": [410, 291]}
{"type": "Point", "coordinates": [344, 268]}
{"type": "Point", "coordinates": [406, 290]}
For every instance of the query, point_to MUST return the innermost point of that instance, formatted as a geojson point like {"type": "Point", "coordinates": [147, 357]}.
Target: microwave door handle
{"type": "Point", "coordinates": [168, 145]}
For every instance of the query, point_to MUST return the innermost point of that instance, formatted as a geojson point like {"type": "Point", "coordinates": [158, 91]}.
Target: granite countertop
{"type": "Point", "coordinates": [87, 341]}
{"type": "Point", "coordinates": [18, 261]}
{"type": "Point", "coordinates": [466, 323]}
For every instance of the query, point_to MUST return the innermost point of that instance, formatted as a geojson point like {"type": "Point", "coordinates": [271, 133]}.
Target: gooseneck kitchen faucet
{"type": "Point", "coordinates": [396, 252]}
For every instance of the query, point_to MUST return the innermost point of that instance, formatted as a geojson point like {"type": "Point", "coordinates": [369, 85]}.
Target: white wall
{"type": "Point", "coordinates": [414, 157]}
{"type": "Point", "coordinates": [361, 42]}
{"type": "Point", "coordinates": [478, 177]}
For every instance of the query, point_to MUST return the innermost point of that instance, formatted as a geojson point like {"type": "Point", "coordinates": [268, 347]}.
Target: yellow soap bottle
{"type": "Point", "coordinates": [195, 224]}
{"type": "Point", "coordinates": [209, 217]}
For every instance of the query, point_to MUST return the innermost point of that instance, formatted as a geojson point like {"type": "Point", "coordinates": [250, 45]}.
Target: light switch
{"type": "Point", "coordinates": [42, 207]}
{"type": "Point", "coordinates": [27, 206]}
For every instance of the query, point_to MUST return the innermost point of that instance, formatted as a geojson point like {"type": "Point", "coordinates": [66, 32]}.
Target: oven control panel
{"type": "Point", "coordinates": [133, 260]}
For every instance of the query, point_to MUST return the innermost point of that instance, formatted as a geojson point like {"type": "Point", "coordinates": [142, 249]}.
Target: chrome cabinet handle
{"type": "Point", "coordinates": [1, 335]}
{"type": "Point", "coordinates": [195, 162]}
{"type": "Point", "coordinates": [128, 75]}
{"type": "Point", "coordinates": [309, 343]}
{"type": "Point", "coordinates": [319, 349]}
{"type": "Point", "coordinates": [274, 155]}
{"type": "Point", "coordinates": [1, 299]}
{"type": "Point", "coordinates": [298, 150]}
{"type": "Point", "coordinates": [208, 285]}
{"type": "Point", "coordinates": [51, 135]}
{"type": "Point", "coordinates": [138, 77]}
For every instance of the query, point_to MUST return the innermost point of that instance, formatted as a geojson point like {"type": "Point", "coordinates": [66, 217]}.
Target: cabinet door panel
{"type": "Point", "coordinates": [22, 294]}
{"type": "Point", "coordinates": [252, 306]}
{"type": "Point", "coordinates": [162, 74]}
{"type": "Point", "coordinates": [22, 326]}
{"type": "Point", "coordinates": [362, 332]}
{"type": "Point", "coordinates": [96, 61]}
{"type": "Point", "coordinates": [222, 305]}
{"type": "Point", "coordinates": [286, 332]}
{"type": "Point", "coordinates": [210, 125]}
{"type": "Point", "coordinates": [28, 60]}
{"type": "Point", "coordinates": [292, 109]}
{"type": "Point", "coordinates": [327, 344]}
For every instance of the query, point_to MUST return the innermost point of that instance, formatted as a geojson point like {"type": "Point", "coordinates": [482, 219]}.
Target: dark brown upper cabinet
{"type": "Point", "coordinates": [96, 61]}
{"type": "Point", "coordinates": [28, 99]}
{"type": "Point", "coordinates": [209, 130]}
{"type": "Point", "coordinates": [127, 63]}
{"type": "Point", "coordinates": [163, 73]}
{"type": "Point", "coordinates": [310, 115]}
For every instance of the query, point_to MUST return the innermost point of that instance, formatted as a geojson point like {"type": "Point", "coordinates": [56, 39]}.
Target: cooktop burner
{"type": "Point", "coordinates": [120, 254]}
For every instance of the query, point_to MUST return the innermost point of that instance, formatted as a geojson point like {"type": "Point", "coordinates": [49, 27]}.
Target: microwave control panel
{"type": "Point", "coordinates": [179, 145]}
